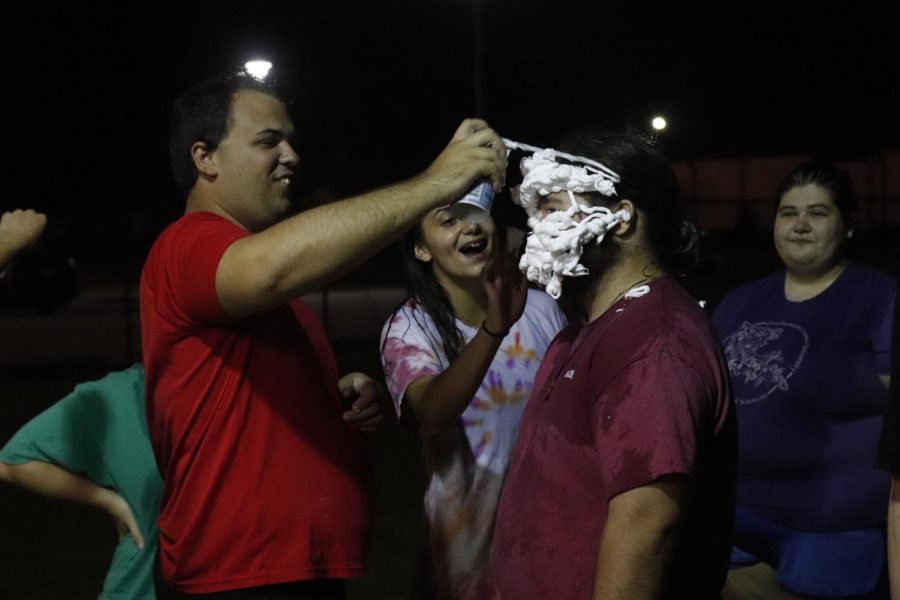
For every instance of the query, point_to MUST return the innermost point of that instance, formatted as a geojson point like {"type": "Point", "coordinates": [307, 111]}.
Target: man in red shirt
{"type": "Point", "coordinates": [622, 481]}
{"type": "Point", "coordinates": [252, 428]}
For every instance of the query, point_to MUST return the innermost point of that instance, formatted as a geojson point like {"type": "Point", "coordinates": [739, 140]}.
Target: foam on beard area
{"type": "Point", "coordinates": [554, 247]}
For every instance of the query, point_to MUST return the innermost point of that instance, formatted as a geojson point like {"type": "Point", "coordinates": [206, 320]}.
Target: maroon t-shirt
{"type": "Point", "coordinates": [638, 394]}
{"type": "Point", "coordinates": [264, 481]}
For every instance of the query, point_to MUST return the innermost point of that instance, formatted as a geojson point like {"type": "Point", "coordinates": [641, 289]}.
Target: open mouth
{"type": "Point", "coordinates": [474, 248]}
{"type": "Point", "coordinates": [285, 181]}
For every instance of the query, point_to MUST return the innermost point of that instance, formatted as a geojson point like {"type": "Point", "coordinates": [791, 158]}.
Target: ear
{"type": "Point", "coordinates": [204, 160]}
{"type": "Point", "coordinates": [625, 227]}
{"type": "Point", "coordinates": [422, 253]}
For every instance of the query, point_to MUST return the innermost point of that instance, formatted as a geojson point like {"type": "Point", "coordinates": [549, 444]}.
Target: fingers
{"type": "Point", "coordinates": [365, 412]}
{"type": "Point", "coordinates": [22, 227]}
{"type": "Point", "coordinates": [356, 415]}
{"type": "Point", "coordinates": [486, 145]}
{"type": "Point", "coordinates": [136, 536]}
{"type": "Point", "coordinates": [125, 521]}
{"type": "Point", "coordinates": [367, 419]}
{"type": "Point", "coordinates": [469, 127]}
{"type": "Point", "coordinates": [368, 395]}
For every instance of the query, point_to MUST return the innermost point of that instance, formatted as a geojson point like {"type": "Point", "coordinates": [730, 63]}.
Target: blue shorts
{"type": "Point", "coordinates": [812, 563]}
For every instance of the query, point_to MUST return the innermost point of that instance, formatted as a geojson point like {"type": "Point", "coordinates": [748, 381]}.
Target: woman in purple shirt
{"type": "Point", "coordinates": [808, 349]}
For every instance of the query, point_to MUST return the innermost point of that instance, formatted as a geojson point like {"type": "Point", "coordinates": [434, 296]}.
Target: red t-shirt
{"type": "Point", "coordinates": [264, 481]}
{"type": "Point", "coordinates": [637, 394]}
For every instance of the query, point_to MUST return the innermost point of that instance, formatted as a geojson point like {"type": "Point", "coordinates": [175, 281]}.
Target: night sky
{"type": "Point", "coordinates": [380, 86]}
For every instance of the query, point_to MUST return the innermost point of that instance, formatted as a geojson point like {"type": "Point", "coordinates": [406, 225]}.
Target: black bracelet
{"type": "Point", "coordinates": [499, 336]}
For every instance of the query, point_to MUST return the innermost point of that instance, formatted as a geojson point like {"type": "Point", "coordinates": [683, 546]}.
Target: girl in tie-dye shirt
{"type": "Point", "coordinates": [459, 358]}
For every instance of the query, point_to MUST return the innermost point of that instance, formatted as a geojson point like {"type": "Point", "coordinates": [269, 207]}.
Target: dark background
{"type": "Point", "coordinates": [379, 88]}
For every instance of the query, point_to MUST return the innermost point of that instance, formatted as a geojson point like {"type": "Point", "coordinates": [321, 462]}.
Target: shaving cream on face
{"type": "Point", "coordinates": [554, 247]}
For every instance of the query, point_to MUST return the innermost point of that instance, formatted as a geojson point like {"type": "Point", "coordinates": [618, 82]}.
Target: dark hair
{"type": "Point", "coordinates": [648, 181]}
{"type": "Point", "coordinates": [430, 297]}
{"type": "Point", "coordinates": [203, 114]}
{"type": "Point", "coordinates": [835, 181]}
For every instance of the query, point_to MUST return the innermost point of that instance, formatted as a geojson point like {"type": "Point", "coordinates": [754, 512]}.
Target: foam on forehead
{"type": "Point", "coordinates": [543, 174]}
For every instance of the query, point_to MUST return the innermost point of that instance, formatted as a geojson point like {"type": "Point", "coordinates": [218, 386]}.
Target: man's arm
{"type": "Point", "coordinates": [309, 250]}
{"type": "Point", "coordinates": [638, 541]}
{"type": "Point", "coordinates": [893, 537]}
{"type": "Point", "coordinates": [18, 230]}
{"type": "Point", "coordinates": [55, 482]}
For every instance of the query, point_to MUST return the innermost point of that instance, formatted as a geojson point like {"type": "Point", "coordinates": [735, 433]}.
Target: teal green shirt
{"type": "Point", "coordinates": [100, 431]}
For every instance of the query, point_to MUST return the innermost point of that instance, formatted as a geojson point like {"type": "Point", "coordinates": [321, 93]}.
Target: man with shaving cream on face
{"type": "Point", "coordinates": [622, 481]}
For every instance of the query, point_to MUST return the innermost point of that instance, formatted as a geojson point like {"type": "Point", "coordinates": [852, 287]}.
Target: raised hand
{"type": "Point", "coordinates": [506, 288]}
{"type": "Point", "coordinates": [19, 229]}
{"type": "Point", "coordinates": [475, 152]}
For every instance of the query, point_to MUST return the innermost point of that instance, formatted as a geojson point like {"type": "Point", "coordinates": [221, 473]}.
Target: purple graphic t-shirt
{"type": "Point", "coordinates": [467, 464]}
{"type": "Point", "coordinates": [809, 398]}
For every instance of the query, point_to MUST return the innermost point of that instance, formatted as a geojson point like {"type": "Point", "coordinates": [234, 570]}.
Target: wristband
{"type": "Point", "coordinates": [499, 336]}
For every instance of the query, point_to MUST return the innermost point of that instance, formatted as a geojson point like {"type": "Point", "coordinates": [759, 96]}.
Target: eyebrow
{"type": "Point", "coordinates": [807, 207]}
{"type": "Point", "coordinates": [273, 132]}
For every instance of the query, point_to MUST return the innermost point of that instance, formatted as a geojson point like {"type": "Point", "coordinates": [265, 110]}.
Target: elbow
{"type": "Point", "coordinates": [430, 422]}
{"type": "Point", "coordinates": [432, 426]}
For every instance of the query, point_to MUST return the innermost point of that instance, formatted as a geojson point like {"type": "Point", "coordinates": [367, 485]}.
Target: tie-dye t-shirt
{"type": "Point", "coordinates": [467, 464]}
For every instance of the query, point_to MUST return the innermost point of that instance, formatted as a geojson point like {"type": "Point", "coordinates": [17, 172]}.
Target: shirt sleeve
{"type": "Point", "coordinates": [190, 266]}
{"type": "Point", "coordinates": [407, 353]}
{"type": "Point", "coordinates": [648, 422]}
{"type": "Point", "coordinates": [63, 435]}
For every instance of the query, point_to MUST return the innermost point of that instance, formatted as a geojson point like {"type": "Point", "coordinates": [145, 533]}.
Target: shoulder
{"type": "Point", "coordinates": [192, 227]}
{"type": "Point", "coordinates": [539, 299]}
{"type": "Point", "coordinates": [540, 303]}
{"type": "Point", "coordinates": [666, 319]}
{"type": "Point", "coordinates": [752, 289]}
{"type": "Point", "coordinates": [112, 389]}
{"type": "Point", "coordinates": [870, 278]}
{"type": "Point", "coordinates": [407, 319]}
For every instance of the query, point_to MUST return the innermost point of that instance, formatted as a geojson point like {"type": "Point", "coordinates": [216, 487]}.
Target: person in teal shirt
{"type": "Point", "coordinates": [92, 447]}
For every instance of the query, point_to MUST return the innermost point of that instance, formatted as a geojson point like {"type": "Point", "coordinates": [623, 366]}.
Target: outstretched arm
{"type": "Point", "coordinates": [55, 482]}
{"type": "Point", "coordinates": [19, 229]}
{"type": "Point", "coordinates": [305, 252]}
{"type": "Point", "coordinates": [638, 541]}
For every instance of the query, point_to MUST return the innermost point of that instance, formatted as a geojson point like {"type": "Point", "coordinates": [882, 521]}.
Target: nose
{"type": "Point", "coordinates": [801, 223]}
{"type": "Point", "coordinates": [470, 227]}
{"type": "Point", "coordinates": [289, 156]}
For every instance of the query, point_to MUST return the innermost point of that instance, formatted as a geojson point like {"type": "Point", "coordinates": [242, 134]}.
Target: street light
{"type": "Point", "coordinates": [658, 123]}
{"type": "Point", "coordinates": [258, 69]}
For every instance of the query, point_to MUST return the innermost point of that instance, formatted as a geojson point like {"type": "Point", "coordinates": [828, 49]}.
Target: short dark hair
{"type": "Point", "coordinates": [835, 181]}
{"type": "Point", "coordinates": [648, 181]}
{"type": "Point", "coordinates": [202, 113]}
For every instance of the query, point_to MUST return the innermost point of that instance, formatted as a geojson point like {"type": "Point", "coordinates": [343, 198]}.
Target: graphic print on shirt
{"type": "Point", "coordinates": [762, 357]}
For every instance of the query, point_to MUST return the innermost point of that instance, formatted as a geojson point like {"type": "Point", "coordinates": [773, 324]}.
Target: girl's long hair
{"type": "Point", "coordinates": [430, 298]}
